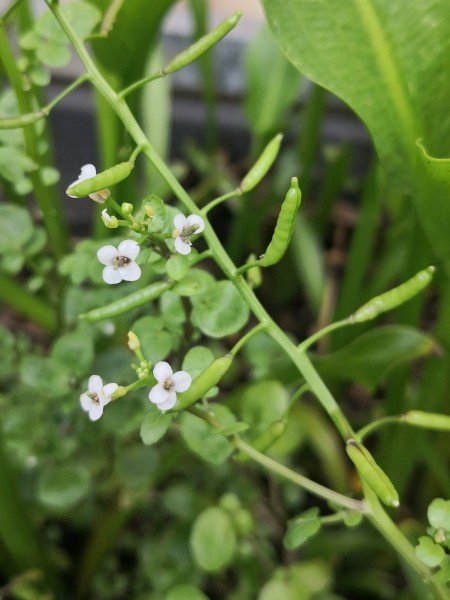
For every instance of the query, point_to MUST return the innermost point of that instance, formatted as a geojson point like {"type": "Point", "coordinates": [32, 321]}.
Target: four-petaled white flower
{"type": "Point", "coordinates": [87, 172]}
{"type": "Point", "coordinates": [97, 396]}
{"type": "Point", "coordinates": [120, 262]}
{"type": "Point", "coordinates": [185, 227]}
{"type": "Point", "coordinates": [164, 393]}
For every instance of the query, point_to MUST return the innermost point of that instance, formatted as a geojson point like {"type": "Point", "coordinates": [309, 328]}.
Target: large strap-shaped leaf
{"type": "Point", "coordinates": [390, 61]}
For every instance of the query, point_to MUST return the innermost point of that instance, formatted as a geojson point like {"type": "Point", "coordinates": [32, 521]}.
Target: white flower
{"type": "Point", "coordinates": [184, 227]}
{"type": "Point", "coordinates": [164, 393]}
{"type": "Point", "coordinates": [87, 172]}
{"type": "Point", "coordinates": [108, 220]}
{"type": "Point", "coordinates": [120, 262]}
{"type": "Point", "coordinates": [97, 396]}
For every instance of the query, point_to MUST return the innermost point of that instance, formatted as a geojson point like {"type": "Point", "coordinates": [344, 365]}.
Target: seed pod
{"type": "Point", "coordinates": [134, 300]}
{"type": "Point", "coordinates": [372, 474]}
{"type": "Point", "coordinates": [102, 180]}
{"type": "Point", "coordinates": [427, 420]}
{"type": "Point", "coordinates": [202, 45]}
{"type": "Point", "coordinates": [262, 165]}
{"type": "Point", "coordinates": [284, 227]}
{"type": "Point", "coordinates": [21, 120]}
{"type": "Point", "coordinates": [394, 297]}
{"type": "Point", "coordinates": [204, 382]}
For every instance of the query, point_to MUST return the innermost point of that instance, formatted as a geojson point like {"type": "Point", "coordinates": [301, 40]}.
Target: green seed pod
{"type": "Point", "coordinates": [134, 300]}
{"type": "Point", "coordinates": [202, 45]}
{"type": "Point", "coordinates": [102, 180]}
{"type": "Point", "coordinates": [394, 297]}
{"type": "Point", "coordinates": [427, 420]}
{"type": "Point", "coordinates": [262, 165]}
{"type": "Point", "coordinates": [204, 382]}
{"type": "Point", "coordinates": [21, 120]}
{"type": "Point", "coordinates": [372, 474]}
{"type": "Point", "coordinates": [284, 227]}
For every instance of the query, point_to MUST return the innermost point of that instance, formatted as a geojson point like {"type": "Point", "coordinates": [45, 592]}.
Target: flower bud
{"type": "Point", "coordinates": [110, 221]}
{"type": "Point", "coordinates": [127, 208]}
{"type": "Point", "coordinates": [133, 341]}
{"type": "Point", "coordinates": [149, 211]}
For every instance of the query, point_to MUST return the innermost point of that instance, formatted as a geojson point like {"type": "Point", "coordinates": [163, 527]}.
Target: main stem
{"type": "Point", "coordinates": [378, 516]}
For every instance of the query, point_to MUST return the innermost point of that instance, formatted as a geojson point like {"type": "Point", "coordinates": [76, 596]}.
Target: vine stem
{"type": "Point", "coordinates": [378, 516]}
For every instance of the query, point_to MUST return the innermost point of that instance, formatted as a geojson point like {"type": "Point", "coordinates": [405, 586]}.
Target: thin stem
{"type": "Point", "coordinates": [244, 339]}
{"type": "Point", "coordinates": [110, 17]}
{"type": "Point", "coordinates": [283, 471]}
{"type": "Point", "coordinates": [371, 427]}
{"type": "Point", "coordinates": [136, 152]}
{"type": "Point", "coordinates": [220, 199]}
{"type": "Point", "coordinates": [247, 267]}
{"type": "Point", "coordinates": [298, 394]}
{"type": "Point", "coordinates": [11, 8]}
{"type": "Point", "coordinates": [321, 333]}
{"type": "Point", "coordinates": [46, 110]}
{"type": "Point", "coordinates": [140, 83]}
{"type": "Point", "coordinates": [335, 518]}
{"type": "Point", "coordinates": [201, 256]}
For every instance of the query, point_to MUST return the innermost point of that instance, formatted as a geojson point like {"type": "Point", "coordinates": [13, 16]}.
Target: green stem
{"type": "Point", "coordinates": [46, 110]}
{"type": "Point", "coordinates": [276, 467]}
{"type": "Point", "coordinates": [244, 339]}
{"type": "Point", "coordinates": [219, 200]}
{"type": "Point", "coordinates": [46, 197]}
{"type": "Point", "coordinates": [11, 8]}
{"type": "Point", "coordinates": [321, 333]}
{"type": "Point", "coordinates": [140, 83]}
{"type": "Point", "coordinates": [247, 267]}
{"type": "Point", "coordinates": [371, 427]}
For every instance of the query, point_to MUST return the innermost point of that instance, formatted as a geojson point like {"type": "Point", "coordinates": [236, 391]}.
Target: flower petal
{"type": "Point", "coordinates": [182, 381]}
{"type": "Point", "coordinates": [95, 384]}
{"type": "Point", "coordinates": [181, 246]}
{"type": "Point", "coordinates": [96, 412]}
{"type": "Point", "coordinates": [162, 371]}
{"type": "Point", "coordinates": [87, 171]}
{"type": "Point", "coordinates": [180, 221]}
{"type": "Point", "coordinates": [130, 272]}
{"type": "Point", "coordinates": [111, 275]}
{"type": "Point", "coordinates": [128, 248]}
{"type": "Point", "coordinates": [158, 394]}
{"type": "Point", "coordinates": [109, 389]}
{"type": "Point", "coordinates": [197, 221]}
{"type": "Point", "coordinates": [86, 402]}
{"type": "Point", "coordinates": [169, 403]}
{"type": "Point", "coordinates": [106, 254]}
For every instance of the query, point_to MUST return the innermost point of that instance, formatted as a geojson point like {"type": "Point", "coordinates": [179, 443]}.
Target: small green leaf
{"type": "Point", "coordinates": [156, 342]}
{"type": "Point", "coordinates": [155, 426]}
{"type": "Point", "coordinates": [177, 266]}
{"type": "Point", "coordinates": [301, 529]}
{"type": "Point", "coordinates": [185, 591]}
{"type": "Point", "coordinates": [213, 539]}
{"type": "Point", "coordinates": [63, 486]}
{"type": "Point", "coordinates": [75, 351]}
{"type": "Point", "coordinates": [53, 55]}
{"type": "Point", "coordinates": [197, 359]}
{"type": "Point", "coordinates": [40, 76]}
{"type": "Point", "coordinates": [263, 403]}
{"type": "Point", "coordinates": [195, 282]}
{"type": "Point", "coordinates": [220, 311]}
{"type": "Point", "coordinates": [157, 222]}
{"type": "Point", "coordinates": [201, 439]}
{"type": "Point", "coordinates": [49, 176]}
{"type": "Point", "coordinates": [429, 552]}
{"type": "Point", "coordinates": [439, 514]}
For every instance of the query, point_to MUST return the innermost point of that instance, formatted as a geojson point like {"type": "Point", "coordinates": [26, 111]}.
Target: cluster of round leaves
{"type": "Point", "coordinates": [433, 549]}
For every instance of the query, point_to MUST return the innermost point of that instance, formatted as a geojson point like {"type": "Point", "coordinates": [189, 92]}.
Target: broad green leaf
{"type": "Point", "coordinates": [429, 552]}
{"type": "Point", "coordinates": [201, 439]}
{"type": "Point", "coordinates": [44, 375]}
{"type": "Point", "coordinates": [213, 539]}
{"type": "Point", "coordinates": [75, 352]}
{"type": "Point", "coordinates": [53, 55]}
{"type": "Point", "coordinates": [156, 342]}
{"type": "Point", "coordinates": [220, 311]}
{"type": "Point", "coordinates": [370, 356]}
{"type": "Point", "coordinates": [439, 514]}
{"type": "Point", "coordinates": [302, 528]}
{"type": "Point", "coordinates": [177, 266]}
{"type": "Point", "coordinates": [14, 164]}
{"type": "Point", "coordinates": [197, 359]}
{"type": "Point", "coordinates": [154, 426]}
{"type": "Point", "coordinates": [185, 591]}
{"type": "Point", "coordinates": [16, 228]}
{"type": "Point", "coordinates": [263, 403]}
{"type": "Point", "coordinates": [172, 310]}
{"type": "Point", "coordinates": [63, 486]}
{"type": "Point", "coordinates": [196, 282]}
{"type": "Point", "coordinates": [265, 105]}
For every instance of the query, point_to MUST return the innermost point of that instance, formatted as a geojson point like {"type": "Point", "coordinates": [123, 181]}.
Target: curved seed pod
{"type": "Point", "coordinates": [262, 165]}
{"type": "Point", "coordinates": [202, 45]}
{"type": "Point", "coordinates": [204, 382]}
{"type": "Point", "coordinates": [394, 297]}
{"type": "Point", "coordinates": [284, 227]}
{"type": "Point", "coordinates": [427, 420]}
{"type": "Point", "coordinates": [372, 474]}
{"type": "Point", "coordinates": [102, 180]}
{"type": "Point", "coordinates": [119, 307]}
{"type": "Point", "coordinates": [21, 120]}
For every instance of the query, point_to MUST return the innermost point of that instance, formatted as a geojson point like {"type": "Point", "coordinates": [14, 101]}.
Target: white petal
{"type": "Point", "coordinates": [128, 248]}
{"type": "Point", "coordinates": [111, 275]}
{"type": "Point", "coordinates": [196, 220]}
{"type": "Point", "coordinates": [181, 246]}
{"type": "Point", "coordinates": [130, 272]}
{"type": "Point", "coordinates": [87, 172]}
{"type": "Point", "coordinates": [158, 394]}
{"type": "Point", "coordinates": [86, 402]}
{"type": "Point", "coordinates": [106, 254]}
{"type": "Point", "coordinates": [182, 381]}
{"type": "Point", "coordinates": [109, 389]}
{"type": "Point", "coordinates": [96, 412]}
{"type": "Point", "coordinates": [162, 371]}
{"type": "Point", "coordinates": [169, 403]}
{"type": "Point", "coordinates": [95, 384]}
{"type": "Point", "coordinates": [180, 221]}
{"type": "Point", "coordinates": [106, 218]}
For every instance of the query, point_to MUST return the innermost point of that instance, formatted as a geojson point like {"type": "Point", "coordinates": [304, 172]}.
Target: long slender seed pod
{"type": "Point", "coordinates": [262, 165]}
{"type": "Point", "coordinates": [21, 120]}
{"type": "Point", "coordinates": [284, 227]}
{"type": "Point", "coordinates": [134, 300]}
{"type": "Point", "coordinates": [372, 473]}
{"type": "Point", "coordinates": [427, 420]}
{"type": "Point", "coordinates": [102, 180]}
{"type": "Point", "coordinates": [204, 382]}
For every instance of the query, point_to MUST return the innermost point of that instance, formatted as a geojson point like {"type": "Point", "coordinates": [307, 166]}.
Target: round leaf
{"type": "Point", "coordinates": [185, 592]}
{"type": "Point", "coordinates": [16, 227]}
{"type": "Point", "coordinates": [220, 311]}
{"type": "Point", "coordinates": [213, 539]}
{"type": "Point", "coordinates": [155, 426]}
{"type": "Point", "coordinates": [63, 486]}
{"type": "Point", "coordinates": [302, 528]}
{"type": "Point", "coordinates": [429, 552]}
{"type": "Point", "coordinates": [177, 266]}
{"type": "Point", "coordinates": [439, 514]}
